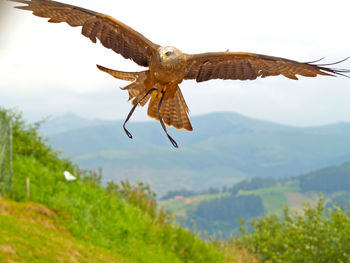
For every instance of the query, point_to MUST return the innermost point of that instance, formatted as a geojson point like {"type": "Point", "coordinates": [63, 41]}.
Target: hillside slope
{"type": "Point", "coordinates": [30, 232]}
{"type": "Point", "coordinates": [123, 219]}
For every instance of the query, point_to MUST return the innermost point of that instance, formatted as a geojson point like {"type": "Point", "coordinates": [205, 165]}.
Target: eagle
{"type": "Point", "coordinates": [167, 65]}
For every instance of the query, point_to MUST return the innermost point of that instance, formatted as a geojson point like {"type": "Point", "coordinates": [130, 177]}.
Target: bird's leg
{"type": "Point", "coordinates": [132, 111]}
{"type": "Point", "coordinates": [162, 122]}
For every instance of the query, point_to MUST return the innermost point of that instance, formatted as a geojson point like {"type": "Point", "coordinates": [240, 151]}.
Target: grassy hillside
{"type": "Point", "coordinates": [107, 220]}
{"type": "Point", "coordinates": [274, 198]}
{"type": "Point", "coordinates": [223, 149]}
{"type": "Point", "coordinates": [31, 232]}
{"type": "Point", "coordinates": [120, 218]}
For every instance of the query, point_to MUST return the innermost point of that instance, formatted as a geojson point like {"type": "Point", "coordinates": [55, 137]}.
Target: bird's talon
{"type": "Point", "coordinates": [127, 132]}
{"type": "Point", "coordinates": [173, 141]}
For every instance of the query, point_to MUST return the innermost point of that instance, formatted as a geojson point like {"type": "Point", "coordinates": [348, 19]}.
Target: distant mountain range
{"type": "Point", "coordinates": [223, 149]}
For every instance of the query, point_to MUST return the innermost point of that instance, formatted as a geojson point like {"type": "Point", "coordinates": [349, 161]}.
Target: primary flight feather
{"type": "Point", "coordinates": [168, 66]}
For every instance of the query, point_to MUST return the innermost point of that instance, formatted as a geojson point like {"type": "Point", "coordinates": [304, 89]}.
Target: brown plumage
{"type": "Point", "coordinates": [168, 66]}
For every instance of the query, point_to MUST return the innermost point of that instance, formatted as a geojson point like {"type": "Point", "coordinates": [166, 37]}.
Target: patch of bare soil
{"type": "Point", "coordinates": [7, 249]}
{"type": "Point", "coordinates": [30, 212]}
{"type": "Point", "coordinates": [298, 200]}
{"type": "Point", "coordinates": [193, 199]}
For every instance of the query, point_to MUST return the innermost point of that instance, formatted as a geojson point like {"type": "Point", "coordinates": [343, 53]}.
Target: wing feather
{"type": "Point", "coordinates": [243, 66]}
{"type": "Point", "coordinates": [112, 33]}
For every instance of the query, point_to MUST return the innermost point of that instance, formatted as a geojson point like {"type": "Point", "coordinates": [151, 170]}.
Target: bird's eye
{"type": "Point", "coordinates": [168, 53]}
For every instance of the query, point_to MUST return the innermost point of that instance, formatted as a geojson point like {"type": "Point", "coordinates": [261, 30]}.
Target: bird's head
{"type": "Point", "coordinates": [168, 53]}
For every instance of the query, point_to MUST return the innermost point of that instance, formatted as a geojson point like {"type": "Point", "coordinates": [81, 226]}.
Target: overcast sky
{"type": "Point", "coordinates": [49, 69]}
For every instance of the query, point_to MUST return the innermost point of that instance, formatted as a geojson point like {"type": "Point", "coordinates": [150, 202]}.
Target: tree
{"type": "Point", "coordinates": [316, 236]}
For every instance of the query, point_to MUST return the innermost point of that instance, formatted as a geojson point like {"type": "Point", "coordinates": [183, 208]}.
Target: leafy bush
{"type": "Point", "coordinates": [28, 142]}
{"type": "Point", "coordinates": [141, 196]}
{"type": "Point", "coordinates": [316, 236]}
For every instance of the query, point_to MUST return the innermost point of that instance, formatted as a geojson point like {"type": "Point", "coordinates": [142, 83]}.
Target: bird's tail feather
{"type": "Point", "coordinates": [174, 110]}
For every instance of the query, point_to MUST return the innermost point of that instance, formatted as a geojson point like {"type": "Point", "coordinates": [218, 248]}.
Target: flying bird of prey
{"type": "Point", "coordinates": [167, 65]}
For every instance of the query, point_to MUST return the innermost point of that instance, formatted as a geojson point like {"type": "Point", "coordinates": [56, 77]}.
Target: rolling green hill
{"type": "Point", "coordinates": [31, 232]}
{"type": "Point", "coordinates": [333, 182]}
{"type": "Point", "coordinates": [273, 199]}
{"type": "Point", "coordinates": [223, 149]}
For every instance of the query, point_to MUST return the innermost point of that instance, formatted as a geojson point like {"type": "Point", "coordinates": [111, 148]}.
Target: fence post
{"type": "Point", "coordinates": [11, 157]}
{"type": "Point", "coordinates": [28, 189]}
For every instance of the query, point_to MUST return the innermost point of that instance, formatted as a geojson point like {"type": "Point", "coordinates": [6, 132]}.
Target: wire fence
{"type": "Point", "coordinates": [5, 153]}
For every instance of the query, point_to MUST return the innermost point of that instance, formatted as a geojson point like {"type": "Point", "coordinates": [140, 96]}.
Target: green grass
{"type": "Point", "coordinates": [107, 220]}
{"type": "Point", "coordinates": [273, 197]}
{"type": "Point", "coordinates": [30, 232]}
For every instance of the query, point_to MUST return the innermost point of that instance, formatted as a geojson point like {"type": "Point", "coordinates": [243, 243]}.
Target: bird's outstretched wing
{"type": "Point", "coordinates": [112, 33]}
{"type": "Point", "coordinates": [243, 66]}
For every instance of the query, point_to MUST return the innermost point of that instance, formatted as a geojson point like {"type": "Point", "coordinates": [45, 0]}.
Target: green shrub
{"type": "Point", "coordinates": [27, 141]}
{"type": "Point", "coordinates": [316, 236]}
